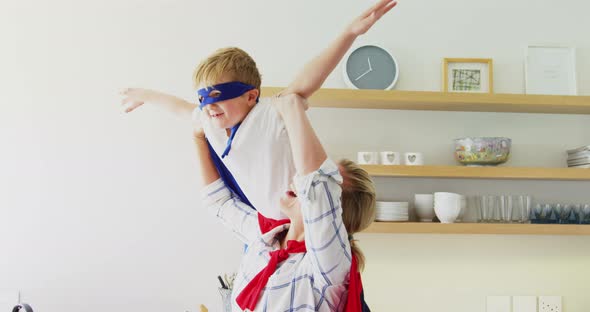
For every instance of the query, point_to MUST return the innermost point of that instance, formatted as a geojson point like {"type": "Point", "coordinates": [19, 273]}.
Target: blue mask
{"type": "Point", "coordinates": [223, 91]}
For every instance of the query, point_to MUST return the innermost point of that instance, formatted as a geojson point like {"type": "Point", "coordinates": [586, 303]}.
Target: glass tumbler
{"type": "Point", "coordinates": [527, 205]}
{"type": "Point", "coordinates": [495, 206]}
{"type": "Point", "coordinates": [516, 203]}
{"type": "Point", "coordinates": [505, 208]}
{"type": "Point", "coordinates": [486, 205]}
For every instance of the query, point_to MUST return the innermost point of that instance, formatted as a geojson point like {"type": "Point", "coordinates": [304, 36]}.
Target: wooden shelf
{"type": "Point", "coordinates": [478, 228]}
{"type": "Point", "coordinates": [444, 101]}
{"type": "Point", "coordinates": [461, 172]}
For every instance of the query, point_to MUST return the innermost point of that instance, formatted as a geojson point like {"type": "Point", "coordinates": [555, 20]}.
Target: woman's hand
{"type": "Point", "coordinates": [287, 103]}
{"type": "Point", "coordinates": [364, 22]}
{"type": "Point", "coordinates": [199, 135]}
{"type": "Point", "coordinates": [135, 97]}
{"type": "Point", "coordinates": [198, 132]}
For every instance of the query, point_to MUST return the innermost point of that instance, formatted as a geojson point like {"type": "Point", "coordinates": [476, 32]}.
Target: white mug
{"type": "Point", "coordinates": [413, 159]}
{"type": "Point", "coordinates": [367, 158]}
{"type": "Point", "coordinates": [390, 158]}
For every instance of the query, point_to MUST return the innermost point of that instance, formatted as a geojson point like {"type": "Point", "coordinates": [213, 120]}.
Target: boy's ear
{"type": "Point", "coordinates": [252, 96]}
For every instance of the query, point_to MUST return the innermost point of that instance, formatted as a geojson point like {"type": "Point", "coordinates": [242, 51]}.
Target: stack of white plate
{"type": "Point", "coordinates": [579, 157]}
{"type": "Point", "coordinates": [392, 211]}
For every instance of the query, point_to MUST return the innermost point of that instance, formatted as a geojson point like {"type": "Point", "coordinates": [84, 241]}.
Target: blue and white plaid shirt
{"type": "Point", "coordinates": [313, 281]}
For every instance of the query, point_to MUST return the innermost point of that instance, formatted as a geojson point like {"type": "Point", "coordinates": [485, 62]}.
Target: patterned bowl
{"type": "Point", "coordinates": [482, 151]}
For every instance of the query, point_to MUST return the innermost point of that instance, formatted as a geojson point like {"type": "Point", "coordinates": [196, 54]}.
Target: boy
{"type": "Point", "coordinates": [255, 161]}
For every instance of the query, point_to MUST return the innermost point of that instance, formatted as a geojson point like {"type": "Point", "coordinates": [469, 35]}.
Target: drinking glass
{"type": "Point", "coordinates": [505, 203]}
{"type": "Point", "coordinates": [585, 214]}
{"type": "Point", "coordinates": [487, 208]}
{"type": "Point", "coordinates": [495, 206]}
{"type": "Point", "coordinates": [527, 205]}
{"type": "Point", "coordinates": [517, 202]}
{"type": "Point", "coordinates": [474, 202]}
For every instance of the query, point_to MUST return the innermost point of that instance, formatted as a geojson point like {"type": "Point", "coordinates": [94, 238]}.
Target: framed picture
{"type": "Point", "coordinates": [550, 70]}
{"type": "Point", "coordinates": [471, 75]}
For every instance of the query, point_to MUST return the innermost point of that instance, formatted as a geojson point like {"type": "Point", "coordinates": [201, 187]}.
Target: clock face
{"type": "Point", "coordinates": [371, 67]}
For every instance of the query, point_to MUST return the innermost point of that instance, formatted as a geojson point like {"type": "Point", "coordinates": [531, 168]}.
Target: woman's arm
{"type": "Point", "coordinates": [209, 173]}
{"type": "Point", "coordinates": [317, 185]}
{"type": "Point", "coordinates": [220, 201]}
{"type": "Point", "coordinates": [315, 72]}
{"type": "Point", "coordinates": [308, 152]}
{"type": "Point", "coordinates": [135, 97]}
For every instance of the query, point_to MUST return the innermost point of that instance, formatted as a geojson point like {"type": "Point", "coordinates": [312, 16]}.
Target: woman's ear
{"type": "Point", "coordinates": [253, 96]}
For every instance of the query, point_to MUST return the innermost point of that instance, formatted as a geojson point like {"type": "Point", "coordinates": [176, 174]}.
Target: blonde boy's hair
{"type": "Point", "coordinates": [358, 203]}
{"type": "Point", "coordinates": [228, 63]}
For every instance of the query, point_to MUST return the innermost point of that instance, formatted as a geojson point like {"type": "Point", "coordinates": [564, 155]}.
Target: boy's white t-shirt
{"type": "Point", "coordinates": [260, 158]}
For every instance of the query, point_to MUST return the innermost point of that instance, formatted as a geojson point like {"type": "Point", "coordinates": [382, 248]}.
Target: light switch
{"type": "Point", "coordinates": [524, 304]}
{"type": "Point", "coordinates": [550, 304]}
{"type": "Point", "coordinates": [498, 304]}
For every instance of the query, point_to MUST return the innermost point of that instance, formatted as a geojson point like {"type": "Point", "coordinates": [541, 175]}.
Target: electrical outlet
{"type": "Point", "coordinates": [498, 304]}
{"type": "Point", "coordinates": [550, 304]}
{"type": "Point", "coordinates": [524, 304]}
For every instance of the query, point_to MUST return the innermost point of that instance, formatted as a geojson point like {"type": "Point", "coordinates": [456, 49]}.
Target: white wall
{"type": "Point", "coordinates": [100, 210]}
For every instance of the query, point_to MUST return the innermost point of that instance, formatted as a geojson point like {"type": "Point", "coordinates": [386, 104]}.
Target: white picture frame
{"type": "Point", "coordinates": [550, 70]}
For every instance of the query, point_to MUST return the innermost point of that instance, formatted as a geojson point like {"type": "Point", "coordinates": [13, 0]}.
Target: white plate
{"type": "Point", "coordinates": [392, 203]}
{"type": "Point", "coordinates": [386, 219]}
{"type": "Point", "coordinates": [579, 149]}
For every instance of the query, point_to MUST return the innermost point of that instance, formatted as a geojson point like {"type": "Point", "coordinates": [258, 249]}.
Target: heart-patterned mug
{"type": "Point", "coordinates": [391, 158]}
{"type": "Point", "coordinates": [368, 158]}
{"type": "Point", "coordinates": [413, 159]}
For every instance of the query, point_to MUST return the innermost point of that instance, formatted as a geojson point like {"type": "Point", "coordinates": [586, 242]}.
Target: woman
{"type": "Point", "coordinates": [308, 261]}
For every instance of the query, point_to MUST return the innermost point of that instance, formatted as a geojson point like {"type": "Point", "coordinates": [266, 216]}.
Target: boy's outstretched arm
{"type": "Point", "coordinates": [315, 72]}
{"type": "Point", "coordinates": [135, 97]}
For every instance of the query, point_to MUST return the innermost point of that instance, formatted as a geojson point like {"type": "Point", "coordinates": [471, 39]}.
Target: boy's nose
{"type": "Point", "coordinates": [212, 106]}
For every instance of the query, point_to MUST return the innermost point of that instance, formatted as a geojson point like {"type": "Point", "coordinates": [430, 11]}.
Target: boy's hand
{"type": "Point", "coordinates": [362, 23]}
{"type": "Point", "coordinates": [135, 97]}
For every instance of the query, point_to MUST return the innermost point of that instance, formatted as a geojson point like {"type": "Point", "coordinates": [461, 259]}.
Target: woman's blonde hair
{"type": "Point", "coordinates": [358, 203]}
{"type": "Point", "coordinates": [230, 63]}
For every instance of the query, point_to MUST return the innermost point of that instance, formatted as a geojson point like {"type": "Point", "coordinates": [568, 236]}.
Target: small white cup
{"type": "Point", "coordinates": [390, 158]}
{"type": "Point", "coordinates": [367, 158]}
{"type": "Point", "coordinates": [447, 206]}
{"type": "Point", "coordinates": [413, 159]}
{"type": "Point", "coordinates": [424, 207]}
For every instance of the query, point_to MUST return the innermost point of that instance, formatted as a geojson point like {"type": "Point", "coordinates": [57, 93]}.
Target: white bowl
{"type": "Point", "coordinates": [424, 207]}
{"type": "Point", "coordinates": [447, 206]}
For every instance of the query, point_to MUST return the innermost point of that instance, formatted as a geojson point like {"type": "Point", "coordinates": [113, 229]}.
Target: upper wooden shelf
{"type": "Point", "coordinates": [478, 228]}
{"type": "Point", "coordinates": [462, 172]}
{"type": "Point", "coordinates": [444, 101]}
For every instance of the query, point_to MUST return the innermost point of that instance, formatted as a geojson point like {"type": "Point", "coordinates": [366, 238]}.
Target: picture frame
{"type": "Point", "coordinates": [550, 70]}
{"type": "Point", "coordinates": [468, 75]}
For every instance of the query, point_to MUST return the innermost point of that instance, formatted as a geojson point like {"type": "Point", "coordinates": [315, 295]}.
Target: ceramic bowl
{"type": "Point", "coordinates": [485, 151]}
{"type": "Point", "coordinates": [447, 206]}
{"type": "Point", "coordinates": [424, 207]}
